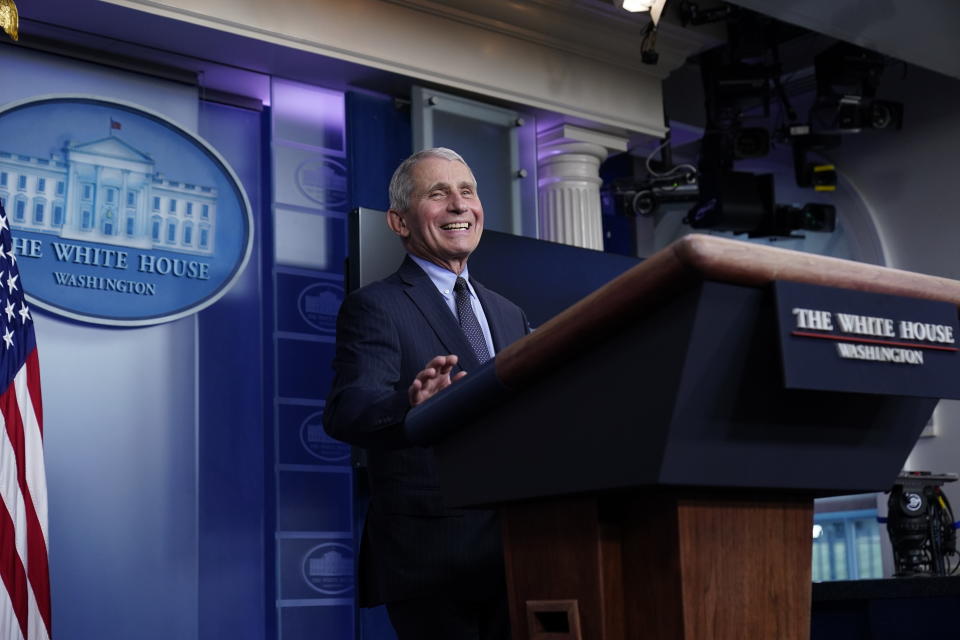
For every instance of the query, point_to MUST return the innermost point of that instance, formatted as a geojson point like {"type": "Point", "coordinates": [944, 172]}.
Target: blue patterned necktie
{"type": "Point", "coordinates": [468, 321]}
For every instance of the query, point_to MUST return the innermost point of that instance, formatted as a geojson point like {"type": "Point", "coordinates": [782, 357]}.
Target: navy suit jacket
{"type": "Point", "coordinates": [413, 546]}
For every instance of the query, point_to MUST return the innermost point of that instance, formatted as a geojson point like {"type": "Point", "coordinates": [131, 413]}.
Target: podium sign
{"type": "Point", "coordinates": [855, 341]}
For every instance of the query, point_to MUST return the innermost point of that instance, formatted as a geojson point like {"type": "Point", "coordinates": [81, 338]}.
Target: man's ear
{"type": "Point", "coordinates": [397, 224]}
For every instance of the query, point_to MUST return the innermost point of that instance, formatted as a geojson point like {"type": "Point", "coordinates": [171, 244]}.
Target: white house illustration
{"type": "Point", "coordinates": [332, 563]}
{"type": "Point", "coordinates": [107, 191]}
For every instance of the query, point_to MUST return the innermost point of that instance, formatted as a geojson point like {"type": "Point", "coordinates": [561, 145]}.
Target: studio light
{"type": "Point", "coordinates": [655, 7]}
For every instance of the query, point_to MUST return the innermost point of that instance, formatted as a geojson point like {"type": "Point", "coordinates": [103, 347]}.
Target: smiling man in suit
{"type": "Point", "coordinates": [400, 341]}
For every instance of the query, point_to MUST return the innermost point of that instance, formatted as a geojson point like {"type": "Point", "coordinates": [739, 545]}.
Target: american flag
{"type": "Point", "coordinates": [25, 598]}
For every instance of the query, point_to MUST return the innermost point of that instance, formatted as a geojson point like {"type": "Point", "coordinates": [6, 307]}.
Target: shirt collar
{"type": "Point", "coordinates": [443, 279]}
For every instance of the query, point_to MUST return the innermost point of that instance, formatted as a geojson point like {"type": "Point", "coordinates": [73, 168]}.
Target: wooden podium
{"type": "Point", "coordinates": [654, 477]}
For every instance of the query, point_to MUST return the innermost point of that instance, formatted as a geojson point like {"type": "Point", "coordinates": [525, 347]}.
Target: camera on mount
{"type": "Point", "coordinates": [741, 202]}
{"type": "Point", "coordinates": [853, 114]}
{"type": "Point", "coordinates": [643, 197]}
{"type": "Point", "coordinates": [847, 80]}
{"type": "Point", "coordinates": [921, 525]}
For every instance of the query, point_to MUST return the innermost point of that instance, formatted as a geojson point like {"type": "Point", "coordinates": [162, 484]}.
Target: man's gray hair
{"type": "Point", "coordinates": [401, 184]}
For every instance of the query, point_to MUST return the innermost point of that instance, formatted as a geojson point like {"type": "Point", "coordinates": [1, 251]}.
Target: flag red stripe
{"type": "Point", "coordinates": [33, 383]}
{"type": "Point", "coordinates": [37, 571]}
{"type": "Point", "coordinates": [40, 579]}
{"type": "Point", "coordinates": [11, 569]}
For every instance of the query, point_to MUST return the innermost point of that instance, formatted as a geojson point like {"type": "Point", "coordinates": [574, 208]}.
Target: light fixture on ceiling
{"type": "Point", "coordinates": [10, 18]}
{"type": "Point", "coordinates": [648, 52]}
{"type": "Point", "coordinates": [655, 7]}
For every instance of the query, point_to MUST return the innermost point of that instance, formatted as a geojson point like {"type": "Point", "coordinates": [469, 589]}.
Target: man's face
{"type": "Point", "coordinates": [445, 218]}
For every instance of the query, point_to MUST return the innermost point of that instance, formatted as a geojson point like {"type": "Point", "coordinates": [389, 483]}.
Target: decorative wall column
{"type": "Point", "coordinates": [569, 184]}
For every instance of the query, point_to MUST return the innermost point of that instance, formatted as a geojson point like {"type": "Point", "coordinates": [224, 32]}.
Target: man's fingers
{"type": "Point", "coordinates": [434, 377]}
{"type": "Point", "coordinates": [426, 374]}
{"type": "Point", "coordinates": [439, 362]}
{"type": "Point", "coordinates": [413, 392]}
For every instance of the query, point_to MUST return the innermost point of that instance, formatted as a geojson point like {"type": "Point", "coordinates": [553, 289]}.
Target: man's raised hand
{"type": "Point", "coordinates": [434, 377]}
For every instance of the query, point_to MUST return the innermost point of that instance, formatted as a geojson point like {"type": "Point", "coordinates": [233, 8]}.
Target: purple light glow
{"type": "Point", "coordinates": [308, 115]}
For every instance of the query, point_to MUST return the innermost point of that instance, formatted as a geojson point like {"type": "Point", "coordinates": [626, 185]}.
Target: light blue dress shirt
{"type": "Point", "coordinates": [444, 280]}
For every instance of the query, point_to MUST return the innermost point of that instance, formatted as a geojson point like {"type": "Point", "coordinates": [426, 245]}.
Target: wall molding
{"type": "Point", "coordinates": [587, 28]}
{"type": "Point", "coordinates": [576, 57]}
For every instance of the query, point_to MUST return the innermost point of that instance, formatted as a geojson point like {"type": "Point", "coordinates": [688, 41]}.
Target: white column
{"type": "Point", "coordinates": [97, 193]}
{"type": "Point", "coordinates": [71, 199]}
{"type": "Point", "coordinates": [122, 205]}
{"type": "Point", "coordinates": [569, 183]}
{"type": "Point", "coordinates": [568, 179]}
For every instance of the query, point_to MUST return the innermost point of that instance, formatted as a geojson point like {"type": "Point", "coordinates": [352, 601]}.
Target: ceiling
{"type": "Point", "coordinates": [921, 33]}
{"type": "Point", "coordinates": [220, 61]}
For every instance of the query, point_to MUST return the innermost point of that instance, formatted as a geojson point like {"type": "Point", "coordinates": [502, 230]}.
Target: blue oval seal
{"type": "Point", "coordinates": [119, 216]}
{"type": "Point", "coordinates": [324, 182]}
{"type": "Point", "coordinates": [317, 443]}
{"type": "Point", "coordinates": [318, 305]}
{"type": "Point", "coordinates": [328, 568]}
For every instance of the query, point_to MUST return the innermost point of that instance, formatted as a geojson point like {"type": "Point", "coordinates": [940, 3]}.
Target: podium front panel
{"type": "Point", "coordinates": [690, 395]}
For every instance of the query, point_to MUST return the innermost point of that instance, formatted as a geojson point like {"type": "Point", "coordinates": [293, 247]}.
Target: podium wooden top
{"type": "Point", "coordinates": [682, 264]}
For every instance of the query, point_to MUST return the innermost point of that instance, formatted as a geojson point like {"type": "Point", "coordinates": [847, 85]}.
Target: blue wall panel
{"type": "Point", "coordinates": [232, 580]}
{"type": "Point", "coordinates": [313, 568]}
{"type": "Point", "coordinates": [379, 137]}
{"type": "Point", "coordinates": [308, 116]}
{"type": "Point", "coordinates": [316, 500]}
{"type": "Point", "coordinates": [304, 368]}
{"type": "Point", "coordinates": [309, 239]}
{"type": "Point", "coordinates": [309, 178]}
{"type": "Point", "coordinates": [314, 479]}
{"type": "Point", "coordinates": [301, 439]}
{"type": "Point", "coordinates": [307, 303]}
{"type": "Point", "coordinates": [336, 245]}
{"type": "Point", "coordinates": [317, 622]}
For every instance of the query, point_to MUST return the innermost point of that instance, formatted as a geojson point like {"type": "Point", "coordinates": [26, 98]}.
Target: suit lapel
{"type": "Point", "coordinates": [424, 294]}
